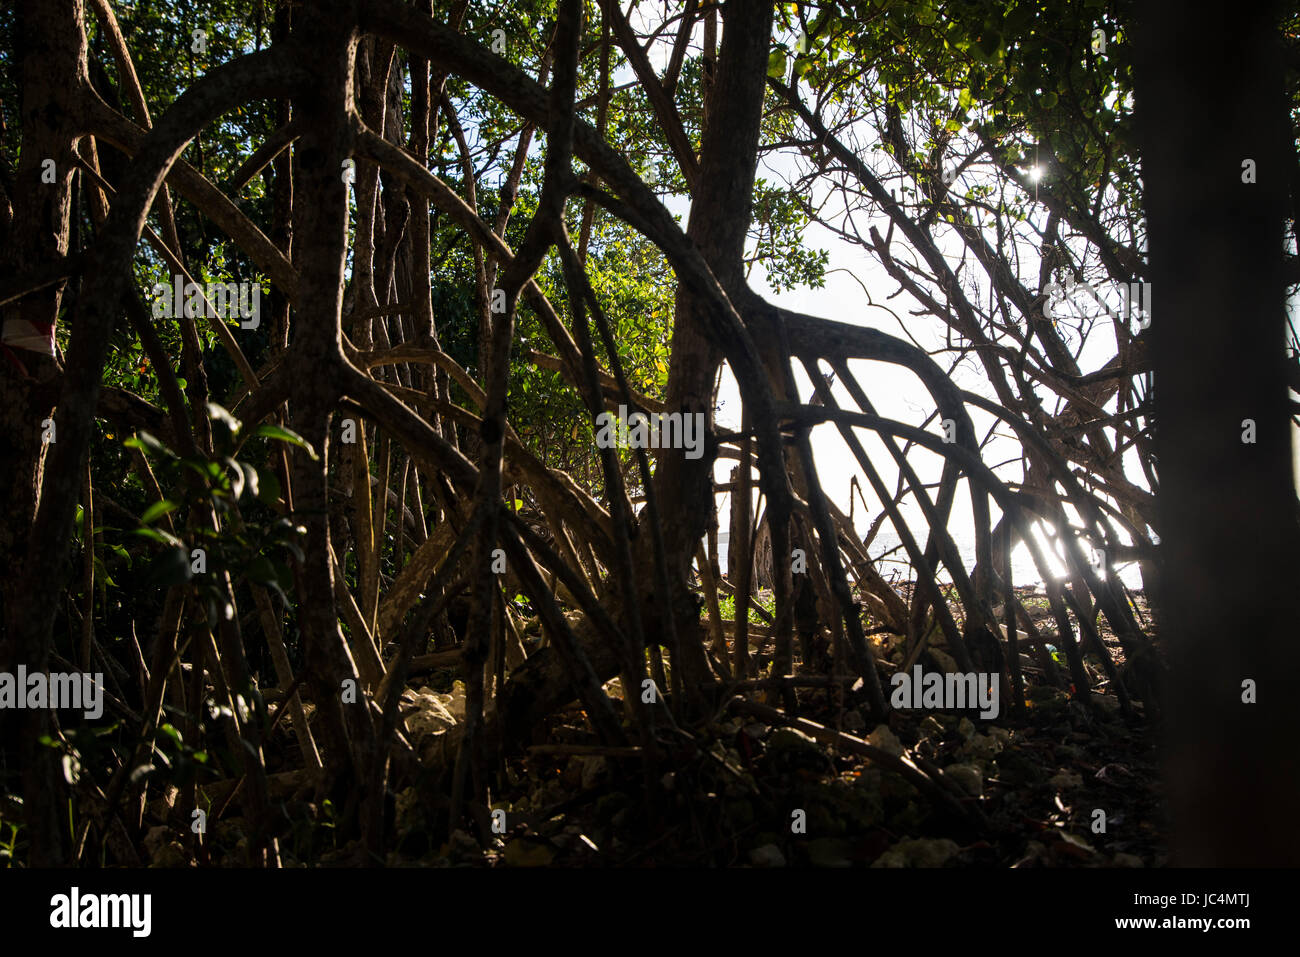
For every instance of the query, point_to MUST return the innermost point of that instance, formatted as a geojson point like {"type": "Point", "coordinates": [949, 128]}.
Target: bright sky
{"type": "Point", "coordinates": [895, 392]}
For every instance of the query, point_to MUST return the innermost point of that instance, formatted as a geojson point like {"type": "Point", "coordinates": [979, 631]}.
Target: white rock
{"type": "Point", "coordinates": [769, 855]}
{"type": "Point", "coordinates": [885, 740]}
{"type": "Point", "coordinates": [965, 777]}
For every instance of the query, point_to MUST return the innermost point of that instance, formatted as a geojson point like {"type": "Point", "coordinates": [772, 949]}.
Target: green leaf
{"type": "Point", "coordinates": [218, 413]}
{"type": "Point", "coordinates": [101, 573]}
{"type": "Point", "coordinates": [158, 510]}
{"type": "Point", "coordinates": [267, 487]}
{"type": "Point", "coordinates": [172, 733]}
{"type": "Point", "coordinates": [146, 442]}
{"type": "Point", "coordinates": [157, 535]}
{"type": "Point", "coordinates": [250, 477]}
{"type": "Point", "coordinates": [172, 567]}
{"type": "Point", "coordinates": [989, 43]}
{"type": "Point", "coordinates": [236, 477]}
{"type": "Point", "coordinates": [282, 434]}
{"type": "Point", "coordinates": [776, 64]}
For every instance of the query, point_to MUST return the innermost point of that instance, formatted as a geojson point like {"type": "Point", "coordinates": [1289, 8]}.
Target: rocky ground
{"type": "Point", "coordinates": [1070, 782]}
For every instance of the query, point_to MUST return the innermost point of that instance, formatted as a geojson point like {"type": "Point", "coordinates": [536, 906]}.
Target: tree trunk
{"type": "Point", "coordinates": [719, 221]}
{"type": "Point", "coordinates": [1231, 541]}
{"type": "Point", "coordinates": [53, 74]}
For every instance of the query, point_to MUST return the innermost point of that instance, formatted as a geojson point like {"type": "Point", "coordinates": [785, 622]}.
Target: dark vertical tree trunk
{"type": "Point", "coordinates": [53, 73]}
{"type": "Point", "coordinates": [1230, 537]}
{"type": "Point", "coordinates": [322, 221]}
{"type": "Point", "coordinates": [54, 56]}
{"type": "Point", "coordinates": [719, 222]}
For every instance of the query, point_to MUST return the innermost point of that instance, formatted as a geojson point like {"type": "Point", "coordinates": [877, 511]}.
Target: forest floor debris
{"type": "Point", "coordinates": [1068, 783]}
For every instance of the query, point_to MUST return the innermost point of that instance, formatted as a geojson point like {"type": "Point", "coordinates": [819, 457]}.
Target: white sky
{"type": "Point", "coordinates": [896, 393]}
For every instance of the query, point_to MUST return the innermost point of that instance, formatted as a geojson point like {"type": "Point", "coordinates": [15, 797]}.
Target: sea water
{"type": "Point", "coordinates": [892, 560]}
